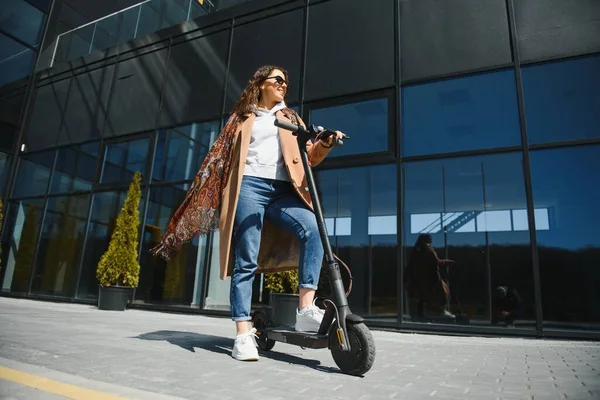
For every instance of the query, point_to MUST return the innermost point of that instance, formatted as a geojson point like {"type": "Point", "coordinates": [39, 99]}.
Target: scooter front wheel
{"type": "Point", "coordinates": [359, 360]}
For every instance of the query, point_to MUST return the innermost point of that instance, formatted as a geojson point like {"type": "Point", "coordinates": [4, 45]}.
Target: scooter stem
{"type": "Point", "coordinates": [333, 268]}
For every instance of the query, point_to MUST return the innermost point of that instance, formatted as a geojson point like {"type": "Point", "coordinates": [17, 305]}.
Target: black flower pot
{"type": "Point", "coordinates": [113, 298]}
{"type": "Point", "coordinates": [283, 308]}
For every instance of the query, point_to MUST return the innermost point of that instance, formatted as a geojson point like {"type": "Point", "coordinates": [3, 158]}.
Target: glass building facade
{"type": "Point", "coordinates": [478, 126]}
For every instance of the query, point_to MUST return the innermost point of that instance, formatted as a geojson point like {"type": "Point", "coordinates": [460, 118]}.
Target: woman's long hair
{"type": "Point", "coordinates": [251, 94]}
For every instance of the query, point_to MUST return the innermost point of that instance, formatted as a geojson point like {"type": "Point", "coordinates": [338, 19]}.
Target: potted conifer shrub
{"type": "Point", "coordinates": [118, 269]}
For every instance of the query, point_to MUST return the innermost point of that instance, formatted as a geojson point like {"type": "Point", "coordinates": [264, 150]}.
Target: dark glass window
{"type": "Point", "coordinates": [41, 4]}
{"type": "Point", "coordinates": [360, 209]}
{"type": "Point", "coordinates": [469, 113]}
{"type": "Point", "coordinates": [33, 173]}
{"type": "Point", "coordinates": [159, 14]}
{"type": "Point", "coordinates": [4, 164]}
{"type": "Point", "coordinates": [123, 159]}
{"type": "Point", "coordinates": [180, 151]}
{"type": "Point", "coordinates": [105, 210]}
{"type": "Point", "coordinates": [365, 122]}
{"type": "Point", "coordinates": [174, 281]}
{"type": "Point", "coordinates": [474, 209]}
{"type": "Point", "coordinates": [16, 60]}
{"type": "Point", "coordinates": [561, 100]}
{"type": "Point", "coordinates": [22, 20]}
{"type": "Point", "coordinates": [18, 244]}
{"type": "Point", "coordinates": [60, 244]}
{"type": "Point", "coordinates": [80, 41]}
{"type": "Point", "coordinates": [564, 183]}
{"type": "Point", "coordinates": [75, 168]}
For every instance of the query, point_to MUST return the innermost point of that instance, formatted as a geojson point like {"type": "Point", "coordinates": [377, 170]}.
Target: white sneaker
{"type": "Point", "coordinates": [309, 319]}
{"type": "Point", "coordinates": [244, 346]}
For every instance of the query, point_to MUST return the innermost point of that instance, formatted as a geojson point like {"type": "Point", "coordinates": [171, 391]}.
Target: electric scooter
{"type": "Point", "coordinates": [347, 337]}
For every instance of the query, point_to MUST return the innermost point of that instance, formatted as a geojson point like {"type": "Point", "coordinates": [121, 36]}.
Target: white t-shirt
{"type": "Point", "coordinates": [265, 159]}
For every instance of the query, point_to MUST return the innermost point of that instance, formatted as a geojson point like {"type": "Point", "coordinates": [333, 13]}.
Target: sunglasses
{"type": "Point", "coordinates": [278, 79]}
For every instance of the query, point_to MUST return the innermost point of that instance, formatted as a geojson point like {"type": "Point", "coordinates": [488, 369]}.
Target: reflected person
{"type": "Point", "coordinates": [423, 279]}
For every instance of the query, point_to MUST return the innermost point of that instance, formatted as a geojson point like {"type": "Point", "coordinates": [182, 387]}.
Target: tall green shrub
{"type": "Point", "coordinates": [282, 282]}
{"type": "Point", "coordinates": [119, 265]}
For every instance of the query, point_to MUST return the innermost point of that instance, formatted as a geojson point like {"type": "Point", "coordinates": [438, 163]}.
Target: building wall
{"type": "Point", "coordinates": [469, 120]}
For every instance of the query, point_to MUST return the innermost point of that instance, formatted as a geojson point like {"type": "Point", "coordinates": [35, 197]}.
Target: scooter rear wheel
{"type": "Point", "coordinates": [261, 322]}
{"type": "Point", "coordinates": [360, 358]}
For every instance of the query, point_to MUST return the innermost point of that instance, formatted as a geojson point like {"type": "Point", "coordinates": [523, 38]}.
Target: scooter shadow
{"type": "Point", "coordinates": [191, 341]}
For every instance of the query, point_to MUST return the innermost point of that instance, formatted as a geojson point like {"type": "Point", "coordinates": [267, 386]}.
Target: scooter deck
{"type": "Point", "coordinates": [287, 334]}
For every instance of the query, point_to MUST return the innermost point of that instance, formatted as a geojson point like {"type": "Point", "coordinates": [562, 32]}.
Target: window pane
{"type": "Point", "coordinates": [75, 168]}
{"type": "Point", "coordinates": [123, 159]}
{"type": "Point", "coordinates": [181, 151]}
{"type": "Point", "coordinates": [33, 174]}
{"type": "Point", "coordinates": [80, 41]}
{"type": "Point", "coordinates": [4, 164]}
{"type": "Point", "coordinates": [568, 238]}
{"type": "Point", "coordinates": [150, 18]}
{"type": "Point", "coordinates": [16, 60]}
{"type": "Point", "coordinates": [19, 243]}
{"type": "Point", "coordinates": [466, 205]}
{"type": "Point", "coordinates": [561, 100]}
{"type": "Point", "coordinates": [174, 12]}
{"type": "Point", "coordinates": [22, 20]}
{"type": "Point", "coordinates": [366, 123]}
{"type": "Point", "coordinates": [362, 204]}
{"type": "Point", "coordinates": [217, 297]}
{"type": "Point", "coordinates": [469, 113]}
{"type": "Point", "coordinates": [116, 29]}
{"type": "Point", "coordinates": [105, 210]}
{"type": "Point", "coordinates": [178, 280]}
{"type": "Point", "coordinates": [62, 237]}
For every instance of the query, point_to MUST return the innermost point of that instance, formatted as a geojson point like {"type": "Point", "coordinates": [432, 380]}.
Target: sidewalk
{"type": "Point", "coordinates": [151, 355]}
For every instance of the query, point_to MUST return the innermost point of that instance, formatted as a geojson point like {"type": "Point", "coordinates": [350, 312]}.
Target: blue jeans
{"type": "Point", "coordinates": [277, 201]}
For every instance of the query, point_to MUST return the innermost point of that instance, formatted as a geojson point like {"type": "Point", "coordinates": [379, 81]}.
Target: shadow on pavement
{"type": "Point", "coordinates": [217, 344]}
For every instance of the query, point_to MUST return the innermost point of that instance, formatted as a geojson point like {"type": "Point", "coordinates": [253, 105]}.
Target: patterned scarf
{"type": "Point", "coordinates": [198, 214]}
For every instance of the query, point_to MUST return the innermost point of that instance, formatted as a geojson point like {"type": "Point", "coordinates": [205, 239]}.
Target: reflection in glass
{"type": "Point", "coordinates": [22, 20]}
{"type": "Point", "coordinates": [33, 173]}
{"type": "Point", "coordinates": [4, 164]}
{"type": "Point", "coordinates": [80, 41]}
{"type": "Point", "coordinates": [176, 281]}
{"type": "Point", "coordinates": [105, 210]}
{"type": "Point", "coordinates": [18, 244]}
{"type": "Point", "coordinates": [217, 296]}
{"type": "Point", "coordinates": [16, 60]}
{"type": "Point", "coordinates": [473, 209]}
{"type": "Point", "coordinates": [561, 100]}
{"type": "Point", "coordinates": [106, 31]}
{"type": "Point", "coordinates": [75, 168]}
{"type": "Point", "coordinates": [123, 159]}
{"type": "Point", "coordinates": [149, 18]}
{"type": "Point", "coordinates": [468, 113]}
{"type": "Point", "coordinates": [564, 182]}
{"type": "Point", "coordinates": [365, 122]}
{"type": "Point", "coordinates": [60, 244]}
{"type": "Point", "coordinates": [180, 151]}
{"type": "Point", "coordinates": [360, 208]}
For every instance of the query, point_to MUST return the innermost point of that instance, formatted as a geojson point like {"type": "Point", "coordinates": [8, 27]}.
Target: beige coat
{"type": "Point", "coordinates": [279, 250]}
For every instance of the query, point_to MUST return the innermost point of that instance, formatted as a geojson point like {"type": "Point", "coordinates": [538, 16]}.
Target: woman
{"type": "Point", "coordinates": [423, 279]}
{"type": "Point", "coordinates": [252, 187]}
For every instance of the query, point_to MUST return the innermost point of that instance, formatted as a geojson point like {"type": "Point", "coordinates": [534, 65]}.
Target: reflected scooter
{"type": "Point", "coordinates": [347, 337]}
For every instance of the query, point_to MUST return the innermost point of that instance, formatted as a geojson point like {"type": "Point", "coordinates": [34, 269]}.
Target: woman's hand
{"type": "Point", "coordinates": [338, 135]}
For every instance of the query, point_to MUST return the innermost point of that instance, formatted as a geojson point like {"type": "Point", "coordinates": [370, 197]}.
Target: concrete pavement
{"type": "Point", "coordinates": [153, 355]}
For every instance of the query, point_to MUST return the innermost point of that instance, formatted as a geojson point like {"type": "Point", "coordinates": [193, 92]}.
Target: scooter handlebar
{"type": "Point", "coordinates": [312, 132]}
{"type": "Point", "coordinates": [289, 126]}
